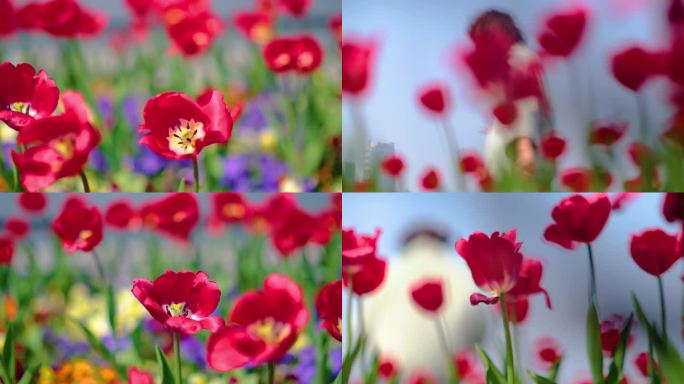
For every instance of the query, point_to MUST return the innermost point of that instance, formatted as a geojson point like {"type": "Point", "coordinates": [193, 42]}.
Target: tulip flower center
{"type": "Point", "coordinates": [183, 137]}
{"type": "Point", "coordinates": [24, 108]}
{"type": "Point", "coordinates": [234, 210]}
{"type": "Point", "coordinates": [261, 33]}
{"type": "Point", "coordinates": [270, 330]}
{"type": "Point", "coordinates": [176, 309]}
{"type": "Point", "coordinates": [305, 59]}
{"type": "Point", "coordinates": [283, 59]}
{"type": "Point", "coordinates": [64, 146]}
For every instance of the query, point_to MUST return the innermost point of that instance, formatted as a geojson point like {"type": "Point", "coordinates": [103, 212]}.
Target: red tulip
{"type": "Point", "coordinates": [191, 27]}
{"type": "Point", "coordinates": [17, 227]}
{"type": "Point", "coordinates": [552, 146]}
{"type": "Point", "coordinates": [505, 112]}
{"type": "Point", "coordinates": [78, 225]}
{"type": "Point", "coordinates": [654, 250]}
{"type": "Point", "coordinates": [177, 127]}
{"type": "Point", "coordinates": [563, 31]}
{"type": "Point", "coordinates": [548, 351]}
{"type": "Point", "coordinates": [608, 134]}
{"type": "Point", "coordinates": [256, 26]}
{"type": "Point", "coordinates": [136, 376]}
{"type": "Point", "coordinates": [632, 67]}
{"type": "Point", "coordinates": [296, 8]}
{"type": "Point", "coordinates": [387, 369]}
{"type": "Point", "coordinates": [641, 362]}
{"type": "Point", "coordinates": [182, 301]}
{"type": "Point", "coordinates": [229, 207]}
{"type": "Point", "coordinates": [25, 95]}
{"type": "Point", "coordinates": [57, 147]}
{"type": "Point", "coordinates": [6, 250]}
{"type": "Point", "coordinates": [7, 21]}
{"type": "Point", "coordinates": [435, 99]}
{"type": "Point", "coordinates": [121, 215]}
{"type": "Point", "coordinates": [301, 54]}
{"type": "Point", "coordinates": [495, 261]}
{"type": "Point", "coordinates": [611, 329]}
{"type": "Point", "coordinates": [63, 19]}
{"type": "Point", "coordinates": [488, 58]}
{"type": "Point", "coordinates": [175, 215]}
{"type": "Point", "coordinates": [421, 377]}
{"type": "Point", "coordinates": [673, 206]}
{"type": "Point", "coordinates": [357, 249]}
{"type": "Point", "coordinates": [367, 277]}
{"type": "Point", "coordinates": [429, 181]}
{"type": "Point", "coordinates": [293, 231]}
{"type": "Point", "coordinates": [393, 165]}
{"type": "Point", "coordinates": [641, 153]}
{"type": "Point", "coordinates": [428, 294]}
{"type": "Point", "coordinates": [336, 27]}
{"type": "Point", "coordinates": [471, 162]}
{"type": "Point", "coordinates": [577, 218]}
{"type": "Point", "coordinates": [329, 307]}
{"type": "Point", "coordinates": [357, 63]}
{"type": "Point", "coordinates": [262, 326]}
{"type": "Point", "coordinates": [529, 282]}
{"type": "Point", "coordinates": [576, 179]}
{"type": "Point", "coordinates": [32, 202]}
{"type": "Point", "coordinates": [140, 8]}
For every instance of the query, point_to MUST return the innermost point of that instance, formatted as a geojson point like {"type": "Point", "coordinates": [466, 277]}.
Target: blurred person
{"type": "Point", "coordinates": [517, 91]}
{"type": "Point", "coordinates": [398, 330]}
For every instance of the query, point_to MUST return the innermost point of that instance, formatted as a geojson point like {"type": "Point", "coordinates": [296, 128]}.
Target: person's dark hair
{"type": "Point", "coordinates": [494, 17]}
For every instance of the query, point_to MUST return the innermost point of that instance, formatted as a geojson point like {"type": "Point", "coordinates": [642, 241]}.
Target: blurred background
{"type": "Point", "coordinates": [416, 45]}
{"type": "Point", "coordinates": [565, 272]}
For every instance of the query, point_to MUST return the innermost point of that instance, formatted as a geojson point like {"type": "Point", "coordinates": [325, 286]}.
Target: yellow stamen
{"type": "Point", "coordinates": [183, 137]}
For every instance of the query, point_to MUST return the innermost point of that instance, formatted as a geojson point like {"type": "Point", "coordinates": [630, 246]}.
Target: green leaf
{"type": "Point", "coordinates": [349, 360]}
{"type": "Point", "coordinates": [100, 348]}
{"type": "Point", "coordinates": [29, 374]}
{"type": "Point", "coordinates": [111, 308]}
{"type": "Point", "coordinates": [494, 375]}
{"type": "Point", "coordinates": [594, 348]}
{"type": "Point", "coordinates": [8, 357]}
{"type": "Point", "coordinates": [166, 373]}
{"type": "Point", "coordinates": [372, 376]}
{"type": "Point", "coordinates": [618, 363]}
{"type": "Point", "coordinates": [553, 374]}
{"type": "Point", "coordinates": [540, 379]}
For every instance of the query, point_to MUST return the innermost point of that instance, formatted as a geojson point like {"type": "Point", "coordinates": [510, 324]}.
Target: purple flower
{"type": "Point", "coordinates": [98, 161]}
{"type": "Point", "coordinates": [105, 105]}
{"type": "Point", "coordinates": [131, 111]}
{"type": "Point", "coordinates": [250, 172]}
{"type": "Point", "coordinates": [149, 164]}
{"type": "Point", "coordinates": [193, 350]}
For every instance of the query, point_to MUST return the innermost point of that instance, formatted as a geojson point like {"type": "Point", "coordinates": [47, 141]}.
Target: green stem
{"type": "Point", "coordinates": [84, 180]}
{"type": "Point", "coordinates": [195, 172]}
{"type": "Point", "coordinates": [510, 360]}
{"type": "Point", "coordinates": [176, 348]}
{"type": "Point", "coordinates": [99, 265]}
{"type": "Point", "coordinates": [593, 294]}
{"type": "Point", "coordinates": [441, 331]}
{"type": "Point", "coordinates": [271, 372]}
{"type": "Point", "coordinates": [348, 334]}
{"type": "Point", "coordinates": [663, 310]}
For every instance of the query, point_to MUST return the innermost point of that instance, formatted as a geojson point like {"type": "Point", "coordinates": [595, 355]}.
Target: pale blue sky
{"type": "Point", "coordinates": [415, 41]}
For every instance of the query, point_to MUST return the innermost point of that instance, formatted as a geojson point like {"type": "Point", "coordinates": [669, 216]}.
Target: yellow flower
{"type": "Point", "coordinates": [290, 185]}
{"type": "Point", "coordinates": [267, 140]}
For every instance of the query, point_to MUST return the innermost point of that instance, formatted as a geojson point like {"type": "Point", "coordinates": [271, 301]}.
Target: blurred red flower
{"type": "Point", "coordinates": [506, 112]}
{"type": "Point", "coordinates": [256, 26]}
{"type": "Point", "coordinates": [529, 282]}
{"type": "Point", "coordinates": [552, 146]}
{"type": "Point", "coordinates": [576, 179]}
{"type": "Point", "coordinates": [429, 181]}
{"type": "Point", "coordinates": [57, 146]}
{"type": "Point", "coordinates": [641, 362]}
{"type": "Point", "coordinates": [495, 262]}
{"type": "Point", "coordinates": [435, 99]}
{"type": "Point", "coordinates": [78, 225]}
{"type": "Point", "coordinates": [367, 277]}
{"type": "Point", "coordinates": [336, 27]}
{"type": "Point", "coordinates": [17, 227]}
{"type": "Point", "coordinates": [611, 329]}
{"type": "Point", "coordinates": [563, 31]}
{"type": "Point", "coordinates": [357, 63]}
{"type": "Point", "coordinates": [25, 95]}
{"type": "Point", "coordinates": [468, 367]}
{"type": "Point", "coordinates": [137, 376]}
{"type": "Point", "coordinates": [487, 60]}
{"type": "Point", "coordinates": [654, 250]}
{"type": "Point", "coordinates": [229, 207]}
{"type": "Point", "coordinates": [302, 54]}
{"type": "Point", "coordinates": [122, 215]}
{"type": "Point", "coordinates": [7, 21]}
{"type": "Point", "coordinates": [578, 218]}
{"type": "Point", "coordinates": [6, 250]}
{"type": "Point", "coordinates": [177, 127]}
{"type": "Point", "coordinates": [329, 307]}
{"type": "Point", "coordinates": [471, 162]}
{"type": "Point", "coordinates": [393, 165]}
{"type": "Point", "coordinates": [140, 8]}
{"type": "Point", "coordinates": [549, 351]}
{"type": "Point", "coordinates": [428, 294]}
{"type": "Point", "coordinates": [175, 215]}
{"type": "Point", "coordinates": [421, 376]}
{"type": "Point", "coordinates": [387, 368]}
{"type": "Point", "coordinates": [296, 8]}
{"type": "Point", "coordinates": [641, 154]}
{"type": "Point", "coordinates": [357, 249]}
{"type": "Point", "coordinates": [262, 326]}
{"type": "Point", "coordinates": [32, 202]}
{"type": "Point", "coordinates": [608, 134]}
{"type": "Point", "coordinates": [293, 229]}
{"type": "Point", "coordinates": [62, 18]}
{"type": "Point", "coordinates": [191, 27]}
{"type": "Point", "coordinates": [673, 206]}
{"type": "Point", "coordinates": [182, 301]}
{"type": "Point", "coordinates": [517, 310]}
{"type": "Point", "coordinates": [632, 67]}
